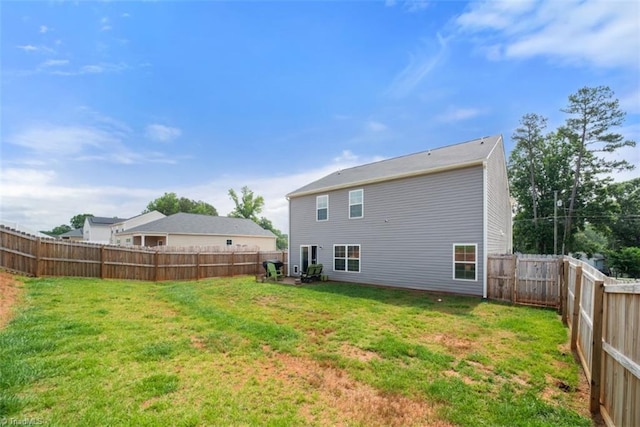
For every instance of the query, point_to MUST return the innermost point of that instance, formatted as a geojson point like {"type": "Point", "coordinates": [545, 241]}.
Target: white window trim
{"type": "Point", "coordinates": [317, 208]}
{"type": "Point", "coordinates": [453, 265]}
{"type": "Point", "coordinates": [353, 204]}
{"type": "Point", "coordinates": [346, 249]}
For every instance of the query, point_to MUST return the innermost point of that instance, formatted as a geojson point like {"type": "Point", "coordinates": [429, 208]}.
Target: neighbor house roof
{"type": "Point", "coordinates": [430, 161]}
{"type": "Point", "coordinates": [137, 216]}
{"type": "Point", "coordinates": [73, 233]}
{"type": "Point", "coordinates": [186, 223]}
{"type": "Point", "coordinates": [101, 220]}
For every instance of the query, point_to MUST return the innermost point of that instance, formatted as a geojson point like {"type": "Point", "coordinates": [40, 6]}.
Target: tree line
{"type": "Point", "coordinates": [566, 200]}
{"type": "Point", "coordinates": [247, 205]}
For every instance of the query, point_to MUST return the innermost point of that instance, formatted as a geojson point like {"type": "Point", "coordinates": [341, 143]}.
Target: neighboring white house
{"type": "Point", "coordinates": [185, 229]}
{"type": "Point", "coordinates": [132, 222]}
{"type": "Point", "coordinates": [422, 221]}
{"type": "Point", "coordinates": [97, 229]}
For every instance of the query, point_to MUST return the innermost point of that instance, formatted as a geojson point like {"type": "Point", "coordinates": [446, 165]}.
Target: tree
{"type": "Point", "coordinates": [534, 233]}
{"type": "Point", "coordinates": [78, 220]}
{"type": "Point", "coordinates": [61, 229]}
{"type": "Point", "coordinates": [248, 207]}
{"type": "Point", "coordinates": [593, 112]}
{"type": "Point", "coordinates": [282, 240]}
{"type": "Point", "coordinates": [170, 204]}
{"type": "Point", "coordinates": [529, 139]}
{"type": "Point", "coordinates": [625, 222]}
{"type": "Point", "coordinates": [626, 261]}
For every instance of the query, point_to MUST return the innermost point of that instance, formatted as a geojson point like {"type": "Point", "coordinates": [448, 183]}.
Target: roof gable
{"type": "Point", "coordinates": [186, 223]}
{"type": "Point", "coordinates": [425, 162]}
{"type": "Point", "coordinates": [101, 220]}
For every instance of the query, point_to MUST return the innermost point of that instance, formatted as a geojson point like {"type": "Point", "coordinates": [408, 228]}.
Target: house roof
{"type": "Point", "coordinates": [436, 160]}
{"type": "Point", "coordinates": [102, 220]}
{"type": "Point", "coordinates": [137, 216]}
{"type": "Point", "coordinates": [186, 223]}
{"type": "Point", "coordinates": [73, 233]}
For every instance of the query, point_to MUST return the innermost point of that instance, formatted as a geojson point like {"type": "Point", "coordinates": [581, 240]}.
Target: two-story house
{"type": "Point", "coordinates": [421, 221]}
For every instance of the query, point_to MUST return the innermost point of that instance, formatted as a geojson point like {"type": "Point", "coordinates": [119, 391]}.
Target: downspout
{"type": "Point", "coordinates": [485, 224]}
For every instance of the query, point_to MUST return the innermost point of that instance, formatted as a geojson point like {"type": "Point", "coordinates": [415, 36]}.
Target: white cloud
{"type": "Point", "coordinates": [594, 32]}
{"type": "Point", "coordinates": [54, 63]}
{"type": "Point", "coordinates": [61, 140]}
{"type": "Point", "coordinates": [28, 48]}
{"type": "Point", "coordinates": [420, 65]}
{"type": "Point", "coordinates": [104, 24]}
{"type": "Point", "coordinates": [162, 133]}
{"type": "Point", "coordinates": [415, 5]}
{"type": "Point", "coordinates": [453, 114]}
{"type": "Point", "coordinates": [100, 68]}
{"type": "Point", "coordinates": [93, 137]}
{"type": "Point", "coordinates": [34, 198]}
{"type": "Point", "coordinates": [44, 29]}
{"type": "Point", "coordinates": [375, 126]}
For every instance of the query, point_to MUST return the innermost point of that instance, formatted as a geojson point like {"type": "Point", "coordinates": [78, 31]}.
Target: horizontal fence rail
{"type": "Point", "coordinates": [34, 256]}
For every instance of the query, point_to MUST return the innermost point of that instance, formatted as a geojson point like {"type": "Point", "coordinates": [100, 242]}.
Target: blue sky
{"type": "Point", "coordinates": [105, 106]}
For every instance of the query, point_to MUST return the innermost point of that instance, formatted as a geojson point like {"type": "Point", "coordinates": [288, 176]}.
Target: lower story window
{"type": "Point", "coordinates": [229, 242]}
{"type": "Point", "coordinates": [346, 258]}
{"type": "Point", "coordinates": [465, 261]}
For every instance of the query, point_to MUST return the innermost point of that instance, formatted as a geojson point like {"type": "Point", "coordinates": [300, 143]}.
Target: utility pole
{"type": "Point", "coordinates": [555, 222]}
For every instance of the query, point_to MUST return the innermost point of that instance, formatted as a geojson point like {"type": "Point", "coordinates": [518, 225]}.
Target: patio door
{"type": "Point", "coordinates": [308, 255]}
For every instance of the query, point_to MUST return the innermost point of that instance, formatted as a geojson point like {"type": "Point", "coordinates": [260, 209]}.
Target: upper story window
{"type": "Point", "coordinates": [322, 208]}
{"type": "Point", "coordinates": [356, 203]}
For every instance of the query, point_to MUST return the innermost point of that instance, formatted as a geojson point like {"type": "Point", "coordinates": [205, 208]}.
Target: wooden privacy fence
{"type": "Point", "coordinates": [524, 279]}
{"type": "Point", "coordinates": [603, 316]}
{"type": "Point", "coordinates": [48, 257]}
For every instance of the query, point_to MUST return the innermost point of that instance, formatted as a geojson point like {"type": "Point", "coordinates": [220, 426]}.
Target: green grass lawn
{"type": "Point", "coordinates": [235, 352]}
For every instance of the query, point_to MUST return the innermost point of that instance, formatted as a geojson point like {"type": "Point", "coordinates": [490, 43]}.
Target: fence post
{"type": "Point", "coordinates": [565, 290]}
{"type": "Point", "coordinates": [155, 265]}
{"type": "Point", "coordinates": [514, 294]}
{"type": "Point", "coordinates": [575, 319]}
{"type": "Point", "coordinates": [38, 242]}
{"type": "Point", "coordinates": [103, 273]}
{"type": "Point", "coordinates": [232, 266]}
{"type": "Point", "coordinates": [257, 269]}
{"type": "Point", "coordinates": [596, 355]}
{"type": "Point", "coordinates": [559, 283]}
{"type": "Point", "coordinates": [197, 265]}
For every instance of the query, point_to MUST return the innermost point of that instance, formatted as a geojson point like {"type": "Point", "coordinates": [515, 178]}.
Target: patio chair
{"type": "Point", "coordinates": [273, 273]}
{"type": "Point", "coordinates": [314, 271]}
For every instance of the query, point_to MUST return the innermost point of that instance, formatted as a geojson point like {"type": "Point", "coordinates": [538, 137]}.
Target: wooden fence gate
{"type": "Point", "coordinates": [524, 279]}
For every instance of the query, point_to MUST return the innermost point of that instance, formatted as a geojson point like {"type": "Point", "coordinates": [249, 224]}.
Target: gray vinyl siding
{"type": "Point", "coordinates": [499, 238]}
{"type": "Point", "coordinates": [407, 233]}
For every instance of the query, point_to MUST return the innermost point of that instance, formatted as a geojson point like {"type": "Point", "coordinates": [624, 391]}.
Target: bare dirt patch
{"type": "Point", "coordinates": [342, 400]}
{"type": "Point", "coordinates": [197, 342]}
{"type": "Point", "coordinates": [10, 290]}
{"type": "Point", "coordinates": [353, 352]}
{"type": "Point", "coordinates": [452, 343]}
